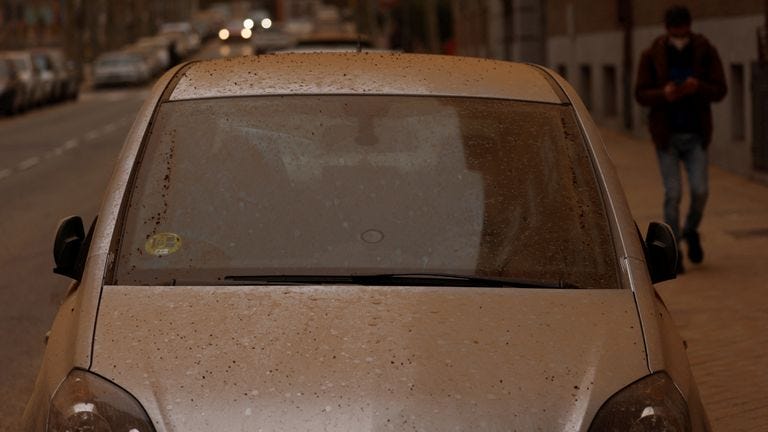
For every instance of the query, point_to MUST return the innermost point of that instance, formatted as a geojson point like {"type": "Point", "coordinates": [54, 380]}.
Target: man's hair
{"type": "Point", "coordinates": [677, 16]}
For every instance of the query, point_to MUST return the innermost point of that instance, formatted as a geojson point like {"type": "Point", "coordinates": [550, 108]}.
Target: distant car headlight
{"type": "Point", "coordinates": [87, 402]}
{"type": "Point", "coordinates": [223, 34]}
{"type": "Point", "coordinates": [266, 23]}
{"type": "Point", "coordinates": [246, 33]}
{"type": "Point", "coordinates": [649, 405]}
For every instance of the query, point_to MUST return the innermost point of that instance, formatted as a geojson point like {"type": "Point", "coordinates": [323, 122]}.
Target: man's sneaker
{"type": "Point", "coordinates": [695, 253]}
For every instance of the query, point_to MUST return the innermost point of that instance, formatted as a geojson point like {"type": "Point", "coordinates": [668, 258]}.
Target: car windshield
{"type": "Point", "coordinates": [338, 185]}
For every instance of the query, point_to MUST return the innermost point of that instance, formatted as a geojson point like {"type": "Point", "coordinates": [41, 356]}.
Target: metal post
{"type": "Point", "coordinates": [433, 38]}
{"type": "Point", "coordinates": [626, 19]}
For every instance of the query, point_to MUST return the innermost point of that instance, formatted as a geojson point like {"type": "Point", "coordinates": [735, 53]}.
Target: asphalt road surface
{"type": "Point", "coordinates": [54, 162]}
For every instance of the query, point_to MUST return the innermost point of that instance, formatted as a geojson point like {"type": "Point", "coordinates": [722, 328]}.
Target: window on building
{"type": "Point", "coordinates": [585, 84]}
{"type": "Point", "coordinates": [610, 91]}
{"type": "Point", "coordinates": [738, 119]}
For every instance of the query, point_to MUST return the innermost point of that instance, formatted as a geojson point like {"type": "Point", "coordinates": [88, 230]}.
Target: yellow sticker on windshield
{"type": "Point", "coordinates": [163, 244]}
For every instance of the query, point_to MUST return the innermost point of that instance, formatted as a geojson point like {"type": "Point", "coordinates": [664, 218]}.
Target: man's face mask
{"type": "Point", "coordinates": [679, 42]}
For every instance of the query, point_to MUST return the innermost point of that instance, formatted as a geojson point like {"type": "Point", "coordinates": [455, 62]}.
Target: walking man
{"type": "Point", "coordinates": [679, 76]}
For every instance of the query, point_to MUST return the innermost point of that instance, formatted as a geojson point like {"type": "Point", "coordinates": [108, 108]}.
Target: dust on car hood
{"type": "Point", "coordinates": [368, 358]}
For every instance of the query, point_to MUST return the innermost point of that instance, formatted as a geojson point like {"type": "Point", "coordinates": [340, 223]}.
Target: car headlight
{"type": "Point", "coordinates": [652, 404]}
{"type": "Point", "coordinates": [87, 402]}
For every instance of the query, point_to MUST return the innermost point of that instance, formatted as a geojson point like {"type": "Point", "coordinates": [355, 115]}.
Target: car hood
{"type": "Point", "coordinates": [368, 358]}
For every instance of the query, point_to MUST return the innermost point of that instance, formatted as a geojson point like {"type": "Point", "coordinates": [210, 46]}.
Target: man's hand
{"type": "Point", "coordinates": [690, 86]}
{"type": "Point", "coordinates": [672, 92]}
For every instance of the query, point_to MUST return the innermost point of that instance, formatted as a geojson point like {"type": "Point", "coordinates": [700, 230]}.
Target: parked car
{"type": "Point", "coordinates": [48, 78]}
{"type": "Point", "coordinates": [332, 41]}
{"type": "Point", "coordinates": [150, 57]}
{"type": "Point", "coordinates": [120, 68]}
{"type": "Point", "coordinates": [27, 74]}
{"type": "Point", "coordinates": [66, 78]}
{"type": "Point", "coordinates": [161, 47]}
{"type": "Point", "coordinates": [11, 88]}
{"type": "Point", "coordinates": [269, 40]}
{"type": "Point", "coordinates": [361, 242]}
{"type": "Point", "coordinates": [192, 37]}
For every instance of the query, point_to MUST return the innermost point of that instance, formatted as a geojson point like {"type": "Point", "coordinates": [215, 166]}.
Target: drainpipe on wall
{"type": "Point", "coordinates": [762, 39]}
{"type": "Point", "coordinates": [433, 37]}
{"type": "Point", "coordinates": [626, 20]}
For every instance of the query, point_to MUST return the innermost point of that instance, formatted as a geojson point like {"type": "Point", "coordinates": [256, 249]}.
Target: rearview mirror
{"type": "Point", "coordinates": [661, 252]}
{"type": "Point", "coordinates": [66, 247]}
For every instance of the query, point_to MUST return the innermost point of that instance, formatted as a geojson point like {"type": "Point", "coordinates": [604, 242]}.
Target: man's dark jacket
{"type": "Point", "coordinates": [653, 75]}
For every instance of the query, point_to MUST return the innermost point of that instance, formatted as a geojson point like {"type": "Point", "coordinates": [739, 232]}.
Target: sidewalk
{"type": "Point", "coordinates": [721, 305]}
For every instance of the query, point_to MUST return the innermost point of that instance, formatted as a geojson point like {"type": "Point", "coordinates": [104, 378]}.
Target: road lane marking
{"type": "Point", "coordinates": [108, 128]}
{"type": "Point", "coordinates": [92, 135]}
{"type": "Point", "coordinates": [69, 145]}
{"type": "Point", "coordinates": [28, 163]}
{"type": "Point", "coordinates": [5, 173]}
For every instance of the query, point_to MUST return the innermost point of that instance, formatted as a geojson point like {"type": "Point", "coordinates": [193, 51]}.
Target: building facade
{"type": "Point", "coordinates": [596, 45]}
{"type": "Point", "coordinates": [588, 42]}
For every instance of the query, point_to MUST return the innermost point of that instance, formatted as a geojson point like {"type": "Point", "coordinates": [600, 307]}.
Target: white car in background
{"type": "Point", "coordinates": [364, 242]}
{"type": "Point", "coordinates": [191, 37]}
{"type": "Point", "coordinates": [121, 68]}
{"type": "Point", "coordinates": [28, 75]}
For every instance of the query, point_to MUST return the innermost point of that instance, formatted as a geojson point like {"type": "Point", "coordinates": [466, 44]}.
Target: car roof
{"type": "Point", "coordinates": [365, 73]}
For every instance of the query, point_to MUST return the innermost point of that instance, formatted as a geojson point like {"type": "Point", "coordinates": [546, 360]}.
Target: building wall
{"type": "Point", "coordinates": [589, 58]}
{"type": "Point", "coordinates": [592, 16]}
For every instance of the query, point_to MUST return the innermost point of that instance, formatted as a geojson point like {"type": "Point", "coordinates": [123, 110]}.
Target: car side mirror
{"type": "Point", "coordinates": [66, 247]}
{"type": "Point", "coordinates": [661, 252]}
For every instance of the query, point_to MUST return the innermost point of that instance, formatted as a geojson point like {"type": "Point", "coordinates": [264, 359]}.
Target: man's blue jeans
{"type": "Point", "coordinates": [688, 149]}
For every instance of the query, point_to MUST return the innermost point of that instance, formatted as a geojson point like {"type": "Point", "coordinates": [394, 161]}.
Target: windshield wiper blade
{"type": "Point", "coordinates": [290, 279]}
{"type": "Point", "coordinates": [410, 279]}
{"type": "Point", "coordinates": [459, 280]}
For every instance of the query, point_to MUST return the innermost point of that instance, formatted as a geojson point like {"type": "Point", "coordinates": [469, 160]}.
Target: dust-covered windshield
{"type": "Point", "coordinates": [364, 185]}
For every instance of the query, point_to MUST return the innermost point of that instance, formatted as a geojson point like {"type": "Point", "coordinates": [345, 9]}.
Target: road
{"type": "Point", "coordinates": [56, 162]}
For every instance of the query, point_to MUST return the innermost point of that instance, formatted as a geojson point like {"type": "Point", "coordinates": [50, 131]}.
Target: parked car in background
{"type": "Point", "coordinates": [192, 37]}
{"type": "Point", "coordinates": [179, 46]}
{"type": "Point", "coordinates": [185, 40]}
{"type": "Point", "coordinates": [273, 39]}
{"type": "Point", "coordinates": [160, 46]}
{"type": "Point", "coordinates": [25, 70]}
{"type": "Point", "coordinates": [120, 68]}
{"type": "Point", "coordinates": [66, 78]}
{"type": "Point", "coordinates": [11, 88]}
{"type": "Point", "coordinates": [332, 42]}
{"type": "Point", "coordinates": [48, 77]}
{"type": "Point", "coordinates": [364, 242]}
{"type": "Point", "coordinates": [150, 56]}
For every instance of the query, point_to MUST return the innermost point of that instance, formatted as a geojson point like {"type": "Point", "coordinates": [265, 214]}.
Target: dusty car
{"type": "Point", "coordinates": [364, 241]}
